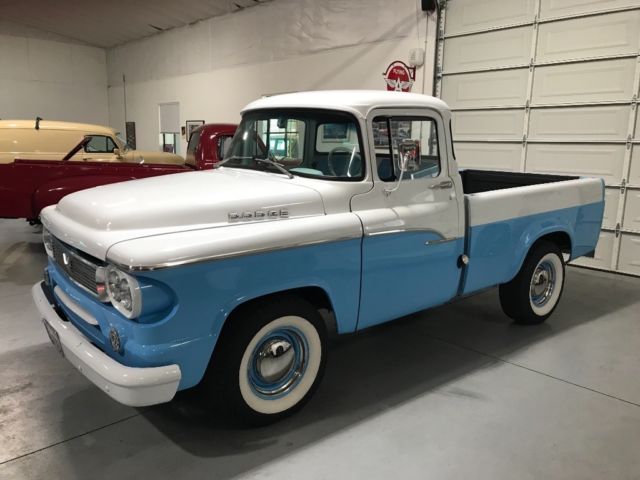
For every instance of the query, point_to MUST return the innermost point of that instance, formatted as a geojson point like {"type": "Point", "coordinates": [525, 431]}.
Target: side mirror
{"type": "Point", "coordinates": [408, 161]}
{"type": "Point", "coordinates": [409, 155]}
{"type": "Point", "coordinates": [118, 153]}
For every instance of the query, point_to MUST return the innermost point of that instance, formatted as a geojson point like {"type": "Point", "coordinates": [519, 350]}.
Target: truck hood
{"type": "Point", "coordinates": [94, 219]}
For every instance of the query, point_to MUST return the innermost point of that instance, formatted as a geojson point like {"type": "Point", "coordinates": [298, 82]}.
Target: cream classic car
{"type": "Point", "coordinates": [51, 140]}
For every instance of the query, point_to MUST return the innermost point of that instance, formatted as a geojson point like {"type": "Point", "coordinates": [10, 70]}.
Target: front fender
{"type": "Point", "coordinates": [208, 292]}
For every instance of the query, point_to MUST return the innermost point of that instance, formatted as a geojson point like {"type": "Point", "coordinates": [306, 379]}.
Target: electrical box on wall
{"type": "Point", "coordinates": [416, 57]}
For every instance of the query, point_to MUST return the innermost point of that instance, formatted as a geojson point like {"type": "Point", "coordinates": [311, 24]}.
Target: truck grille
{"type": "Point", "coordinates": [80, 268]}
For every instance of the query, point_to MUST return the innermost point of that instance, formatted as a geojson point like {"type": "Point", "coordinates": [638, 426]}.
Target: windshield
{"type": "Point", "coordinates": [309, 143]}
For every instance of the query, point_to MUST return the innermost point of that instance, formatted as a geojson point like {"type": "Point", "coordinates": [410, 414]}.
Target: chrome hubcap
{"type": "Point", "coordinates": [278, 362]}
{"type": "Point", "coordinates": [542, 283]}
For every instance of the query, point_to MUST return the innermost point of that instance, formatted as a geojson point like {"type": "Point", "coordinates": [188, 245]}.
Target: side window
{"type": "Point", "coordinates": [194, 140]}
{"type": "Point", "coordinates": [382, 144]}
{"type": "Point", "coordinates": [414, 137]}
{"type": "Point", "coordinates": [100, 144]}
{"type": "Point", "coordinates": [223, 146]}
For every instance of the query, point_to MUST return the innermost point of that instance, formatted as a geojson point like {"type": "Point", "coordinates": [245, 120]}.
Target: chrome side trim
{"type": "Point", "coordinates": [224, 256]}
{"type": "Point", "coordinates": [404, 230]}
{"type": "Point", "coordinates": [439, 241]}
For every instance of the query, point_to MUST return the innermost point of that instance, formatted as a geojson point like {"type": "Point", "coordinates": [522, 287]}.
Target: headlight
{"type": "Point", "coordinates": [124, 292]}
{"type": "Point", "coordinates": [47, 239]}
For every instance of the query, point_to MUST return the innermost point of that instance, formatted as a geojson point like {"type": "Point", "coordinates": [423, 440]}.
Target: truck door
{"type": "Point", "coordinates": [413, 234]}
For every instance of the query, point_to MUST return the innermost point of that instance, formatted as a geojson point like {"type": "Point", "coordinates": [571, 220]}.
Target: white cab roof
{"type": "Point", "coordinates": [358, 102]}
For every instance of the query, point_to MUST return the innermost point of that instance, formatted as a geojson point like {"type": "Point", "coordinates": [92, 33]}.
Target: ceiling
{"type": "Point", "coordinates": [107, 23]}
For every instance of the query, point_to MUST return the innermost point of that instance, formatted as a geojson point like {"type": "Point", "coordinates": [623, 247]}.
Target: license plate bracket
{"type": "Point", "coordinates": [53, 336]}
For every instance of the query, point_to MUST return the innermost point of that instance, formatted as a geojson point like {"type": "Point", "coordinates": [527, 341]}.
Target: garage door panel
{"type": "Point", "coordinates": [603, 35]}
{"type": "Point", "coordinates": [604, 161]}
{"type": "Point", "coordinates": [611, 202]}
{"type": "Point", "coordinates": [488, 125]}
{"type": "Point", "coordinates": [489, 50]}
{"type": "Point", "coordinates": [603, 253]}
{"type": "Point", "coordinates": [478, 90]}
{"type": "Point", "coordinates": [561, 8]}
{"type": "Point", "coordinates": [631, 220]}
{"type": "Point", "coordinates": [472, 15]}
{"type": "Point", "coordinates": [579, 123]}
{"type": "Point", "coordinates": [585, 82]}
{"type": "Point", "coordinates": [488, 156]}
{"type": "Point", "coordinates": [629, 259]}
{"type": "Point", "coordinates": [634, 173]}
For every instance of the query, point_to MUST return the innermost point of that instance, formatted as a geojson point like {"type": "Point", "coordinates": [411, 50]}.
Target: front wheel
{"type": "Point", "coordinates": [270, 360]}
{"type": "Point", "coordinates": [532, 296]}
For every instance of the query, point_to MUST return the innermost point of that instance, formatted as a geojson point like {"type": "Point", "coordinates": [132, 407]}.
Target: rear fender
{"type": "Point", "coordinates": [497, 250]}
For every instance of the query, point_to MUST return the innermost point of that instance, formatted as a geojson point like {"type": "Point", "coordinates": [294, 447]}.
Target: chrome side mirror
{"type": "Point", "coordinates": [118, 153]}
{"type": "Point", "coordinates": [409, 155]}
{"type": "Point", "coordinates": [408, 161]}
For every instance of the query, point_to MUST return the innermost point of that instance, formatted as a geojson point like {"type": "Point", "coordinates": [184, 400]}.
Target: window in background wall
{"type": "Point", "coordinates": [169, 121]}
{"type": "Point", "coordinates": [168, 142]}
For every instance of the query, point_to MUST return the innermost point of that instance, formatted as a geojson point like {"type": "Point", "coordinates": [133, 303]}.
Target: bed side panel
{"type": "Point", "coordinates": [503, 225]}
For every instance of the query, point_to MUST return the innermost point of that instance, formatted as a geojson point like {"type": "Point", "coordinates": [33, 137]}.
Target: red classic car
{"type": "Point", "coordinates": [27, 186]}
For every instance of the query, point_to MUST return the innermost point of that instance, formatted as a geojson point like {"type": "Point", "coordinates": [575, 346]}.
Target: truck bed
{"type": "Point", "coordinates": [507, 212]}
{"type": "Point", "coordinates": [478, 181]}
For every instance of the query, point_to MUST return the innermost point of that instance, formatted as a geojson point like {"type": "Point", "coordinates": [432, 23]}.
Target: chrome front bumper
{"type": "Point", "coordinates": [128, 385]}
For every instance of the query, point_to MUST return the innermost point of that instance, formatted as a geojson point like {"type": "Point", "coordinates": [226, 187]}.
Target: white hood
{"type": "Point", "coordinates": [95, 219]}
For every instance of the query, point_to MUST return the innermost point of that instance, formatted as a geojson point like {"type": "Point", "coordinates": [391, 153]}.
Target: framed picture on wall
{"type": "Point", "coordinates": [191, 125]}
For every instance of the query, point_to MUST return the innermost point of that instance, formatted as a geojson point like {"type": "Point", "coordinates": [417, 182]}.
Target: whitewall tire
{"type": "Point", "coordinates": [269, 359]}
{"type": "Point", "coordinates": [280, 365]}
{"type": "Point", "coordinates": [532, 296]}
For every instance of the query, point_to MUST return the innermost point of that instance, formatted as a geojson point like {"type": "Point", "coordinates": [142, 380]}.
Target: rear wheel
{"type": "Point", "coordinates": [532, 296]}
{"type": "Point", "coordinates": [270, 360]}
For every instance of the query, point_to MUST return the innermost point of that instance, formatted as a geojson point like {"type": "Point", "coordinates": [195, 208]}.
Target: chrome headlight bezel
{"type": "Point", "coordinates": [122, 290]}
{"type": "Point", "coordinates": [47, 240]}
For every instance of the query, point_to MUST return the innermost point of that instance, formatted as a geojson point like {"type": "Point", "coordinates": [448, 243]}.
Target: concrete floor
{"type": "Point", "coordinates": [455, 392]}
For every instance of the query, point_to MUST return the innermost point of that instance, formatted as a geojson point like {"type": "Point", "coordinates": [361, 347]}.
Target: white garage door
{"type": "Point", "coordinates": [551, 86]}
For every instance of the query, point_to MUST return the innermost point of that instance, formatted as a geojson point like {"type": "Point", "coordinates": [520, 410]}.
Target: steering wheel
{"type": "Point", "coordinates": [353, 155]}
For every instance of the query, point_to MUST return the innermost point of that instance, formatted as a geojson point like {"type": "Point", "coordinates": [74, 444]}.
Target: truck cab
{"type": "Point", "coordinates": [208, 144]}
{"type": "Point", "coordinates": [334, 210]}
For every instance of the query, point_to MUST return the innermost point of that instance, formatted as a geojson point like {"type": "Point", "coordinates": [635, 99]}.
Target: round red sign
{"type": "Point", "coordinates": [399, 77]}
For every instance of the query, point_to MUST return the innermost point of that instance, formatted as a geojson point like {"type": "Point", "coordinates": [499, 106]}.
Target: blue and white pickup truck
{"type": "Point", "coordinates": [233, 278]}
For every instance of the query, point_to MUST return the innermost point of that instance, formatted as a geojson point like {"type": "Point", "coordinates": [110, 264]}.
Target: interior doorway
{"type": "Point", "coordinates": [169, 121]}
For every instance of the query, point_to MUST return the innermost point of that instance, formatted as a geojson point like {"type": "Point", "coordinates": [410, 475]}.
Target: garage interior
{"type": "Point", "coordinates": [459, 391]}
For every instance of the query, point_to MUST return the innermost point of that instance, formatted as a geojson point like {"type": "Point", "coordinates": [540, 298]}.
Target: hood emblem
{"type": "Point", "coordinates": [258, 214]}
{"type": "Point", "coordinates": [66, 259]}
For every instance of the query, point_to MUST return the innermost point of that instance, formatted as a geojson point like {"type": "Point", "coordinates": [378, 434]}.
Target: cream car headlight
{"type": "Point", "coordinates": [123, 291]}
{"type": "Point", "coordinates": [47, 239]}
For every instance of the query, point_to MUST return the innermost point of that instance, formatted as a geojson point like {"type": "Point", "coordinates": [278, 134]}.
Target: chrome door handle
{"type": "Point", "coordinates": [442, 185]}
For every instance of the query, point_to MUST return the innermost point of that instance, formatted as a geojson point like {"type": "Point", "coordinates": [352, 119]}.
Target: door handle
{"type": "Point", "coordinates": [442, 185]}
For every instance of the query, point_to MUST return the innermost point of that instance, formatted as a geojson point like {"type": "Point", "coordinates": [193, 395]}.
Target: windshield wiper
{"type": "Point", "coordinates": [234, 157]}
{"type": "Point", "coordinates": [279, 166]}
{"type": "Point", "coordinates": [268, 161]}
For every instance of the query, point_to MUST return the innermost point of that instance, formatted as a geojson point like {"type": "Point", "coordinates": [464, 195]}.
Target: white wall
{"type": "Point", "coordinates": [53, 79]}
{"type": "Point", "coordinates": [215, 67]}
